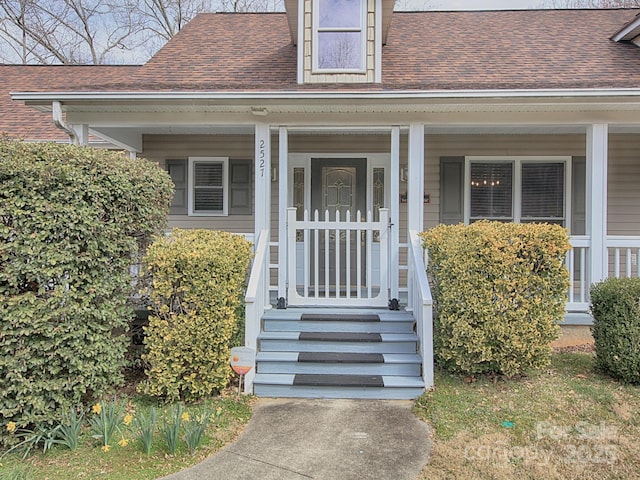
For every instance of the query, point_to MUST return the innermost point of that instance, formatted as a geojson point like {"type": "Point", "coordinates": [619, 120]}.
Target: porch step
{"type": "Point", "coordinates": [338, 353]}
{"type": "Point", "coordinates": [338, 386]}
{"type": "Point", "coordinates": [318, 342]}
{"type": "Point", "coordinates": [339, 363]}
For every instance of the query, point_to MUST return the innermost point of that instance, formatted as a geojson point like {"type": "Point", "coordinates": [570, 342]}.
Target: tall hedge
{"type": "Point", "coordinates": [71, 221]}
{"type": "Point", "coordinates": [197, 285]}
{"type": "Point", "coordinates": [615, 306]}
{"type": "Point", "coordinates": [499, 289]}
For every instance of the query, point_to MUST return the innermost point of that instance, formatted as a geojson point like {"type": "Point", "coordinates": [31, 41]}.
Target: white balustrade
{"type": "Point", "coordinates": [344, 261]}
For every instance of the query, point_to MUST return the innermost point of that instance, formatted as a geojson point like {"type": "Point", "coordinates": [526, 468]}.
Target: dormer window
{"type": "Point", "coordinates": [339, 28]}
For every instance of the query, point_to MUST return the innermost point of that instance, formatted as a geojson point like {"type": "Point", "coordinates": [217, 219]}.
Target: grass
{"type": "Point", "coordinates": [567, 422]}
{"type": "Point", "coordinates": [129, 462]}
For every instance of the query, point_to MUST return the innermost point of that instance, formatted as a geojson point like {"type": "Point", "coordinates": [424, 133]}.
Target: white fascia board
{"type": "Point", "coordinates": [628, 32]}
{"type": "Point", "coordinates": [391, 95]}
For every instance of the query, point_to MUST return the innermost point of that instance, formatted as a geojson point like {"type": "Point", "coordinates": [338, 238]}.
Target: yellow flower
{"type": "Point", "coordinates": [185, 417]}
{"type": "Point", "coordinates": [106, 448]}
{"type": "Point", "coordinates": [124, 442]}
{"type": "Point", "coordinates": [11, 427]}
{"type": "Point", "coordinates": [128, 418]}
{"type": "Point", "coordinates": [97, 408]}
{"type": "Point", "coordinates": [218, 411]}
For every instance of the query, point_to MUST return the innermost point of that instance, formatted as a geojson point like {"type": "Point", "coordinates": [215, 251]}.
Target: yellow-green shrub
{"type": "Point", "coordinates": [197, 282]}
{"type": "Point", "coordinates": [499, 289]}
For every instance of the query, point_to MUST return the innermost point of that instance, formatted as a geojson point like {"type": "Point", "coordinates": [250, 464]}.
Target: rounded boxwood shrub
{"type": "Point", "coordinates": [615, 306]}
{"type": "Point", "coordinates": [71, 222]}
{"type": "Point", "coordinates": [197, 280]}
{"type": "Point", "coordinates": [499, 291]}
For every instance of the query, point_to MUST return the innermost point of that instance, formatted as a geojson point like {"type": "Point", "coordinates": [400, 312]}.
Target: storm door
{"type": "Point", "coordinates": [339, 187]}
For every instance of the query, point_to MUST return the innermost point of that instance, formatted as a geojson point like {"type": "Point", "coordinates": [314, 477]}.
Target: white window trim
{"type": "Point", "coordinates": [225, 186]}
{"type": "Point", "coordinates": [516, 199]}
{"type": "Point", "coordinates": [363, 38]}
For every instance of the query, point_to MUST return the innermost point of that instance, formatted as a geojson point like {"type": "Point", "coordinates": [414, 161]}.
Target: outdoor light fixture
{"type": "Point", "coordinates": [404, 175]}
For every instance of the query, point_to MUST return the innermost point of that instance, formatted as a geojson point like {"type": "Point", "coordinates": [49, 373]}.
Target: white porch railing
{"type": "Point", "coordinates": [579, 278]}
{"type": "Point", "coordinates": [623, 256]}
{"type": "Point", "coordinates": [421, 304]}
{"type": "Point", "coordinates": [333, 253]}
{"type": "Point", "coordinates": [256, 300]}
{"type": "Point", "coordinates": [622, 261]}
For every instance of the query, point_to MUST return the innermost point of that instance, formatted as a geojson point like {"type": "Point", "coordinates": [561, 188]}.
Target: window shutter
{"type": "Point", "coordinates": [578, 195]}
{"type": "Point", "coordinates": [240, 191]}
{"type": "Point", "coordinates": [451, 190]}
{"type": "Point", "coordinates": [178, 172]}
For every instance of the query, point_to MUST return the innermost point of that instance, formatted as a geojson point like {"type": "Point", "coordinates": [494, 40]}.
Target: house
{"type": "Point", "coordinates": [330, 134]}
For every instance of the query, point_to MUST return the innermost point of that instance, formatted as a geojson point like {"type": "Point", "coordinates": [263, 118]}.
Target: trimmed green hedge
{"type": "Point", "coordinates": [615, 306]}
{"type": "Point", "coordinates": [71, 222]}
{"type": "Point", "coordinates": [197, 285]}
{"type": "Point", "coordinates": [499, 289]}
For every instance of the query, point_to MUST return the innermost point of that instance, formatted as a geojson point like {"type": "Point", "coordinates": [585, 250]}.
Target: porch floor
{"type": "Point", "coordinates": [338, 353]}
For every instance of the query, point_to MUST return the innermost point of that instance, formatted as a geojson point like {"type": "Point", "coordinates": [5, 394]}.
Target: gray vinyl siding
{"type": "Point", "coordinates": [623, 178]}
{"type": "Point", "coordinates": [623, 168]}
{"type": "Point", "coordinates": [623, 172]}
{"type": "Point", "coordinates": [161, 148]}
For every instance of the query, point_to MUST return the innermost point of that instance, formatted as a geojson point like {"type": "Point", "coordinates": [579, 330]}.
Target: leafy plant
{"type": "Point", "coordinates": [194, 428]}
{"type": "Point", "coordinates": [145, 426]}
{"type": "Point", "coordinates": [106, 420]}
{"type": "Point", "coordinates": [499, 291]}
{"type": "Point", "coordinates": [72, 221]}
{"type": "Point", "coordinates": [171, 427]}
{"type": "Point", "coordinates": [197, 282]}
{"type": "Point", "coordinates": [29, 440]}
{"type": "Point", "coordinates": [68, 431]}
{"type": "Point", "coordinates": [615, 305]}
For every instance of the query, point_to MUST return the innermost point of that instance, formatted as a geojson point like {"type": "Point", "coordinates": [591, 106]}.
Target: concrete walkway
{"type": "Point", "coordinates": [322, 439]}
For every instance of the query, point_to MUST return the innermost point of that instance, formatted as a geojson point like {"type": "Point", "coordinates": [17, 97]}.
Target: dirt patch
{"type": "Point", "coordinates": [586, 348]}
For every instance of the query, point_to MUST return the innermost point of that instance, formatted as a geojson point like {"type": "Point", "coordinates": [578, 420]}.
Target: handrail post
{"type": "Point", "coordinates": [255, 299]}
{"type": "Point", "coordinates": [291, 247]}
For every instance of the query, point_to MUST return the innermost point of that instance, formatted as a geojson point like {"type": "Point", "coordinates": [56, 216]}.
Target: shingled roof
{"type": "Point", "coordinates": [519, 49]}
{"type": "Point", "coordinates": [476, 50]}
{"type": "Point", "coordinates": [18, 120]}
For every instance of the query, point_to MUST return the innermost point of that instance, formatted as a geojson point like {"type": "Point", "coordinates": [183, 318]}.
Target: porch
{"type": "Point", "coordinates": [293, 268]}
{"type": "Point", "coordinates": [565, 165]}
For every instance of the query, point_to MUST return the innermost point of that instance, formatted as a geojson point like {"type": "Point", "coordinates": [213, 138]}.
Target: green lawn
{"type": "Point", "coordinates": [129, 462]}
{"type": "Point", "coordinates": [566, 422]}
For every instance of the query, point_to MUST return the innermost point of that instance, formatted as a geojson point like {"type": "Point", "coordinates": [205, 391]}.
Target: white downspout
{"type": "Point", "coordinates": [59, 122]}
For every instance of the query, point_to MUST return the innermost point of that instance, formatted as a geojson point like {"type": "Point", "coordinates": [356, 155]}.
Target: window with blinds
{"type": "Point", "coordinates": [543, 193]}
{"type": "Point", "coordinates": [492, 191]}
{"type": "Point", "coordinates": [519, 190]}
{"type": "Point", "coordinates": [208, 178]}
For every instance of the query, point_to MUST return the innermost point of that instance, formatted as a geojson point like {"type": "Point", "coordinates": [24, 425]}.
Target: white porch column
{"type": "Point", "coordinates": [415, 190]}
{"type": "Point", "coordinates": [415, 184]}
{"type": "Point", "coordinates": [262, 169]}
{"type": "Point", "coordinates": [394, 239]}
{"type": "Point", "coordinates": [283, 182]}
{"type": "Point", "coordinates": [596, 221]}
